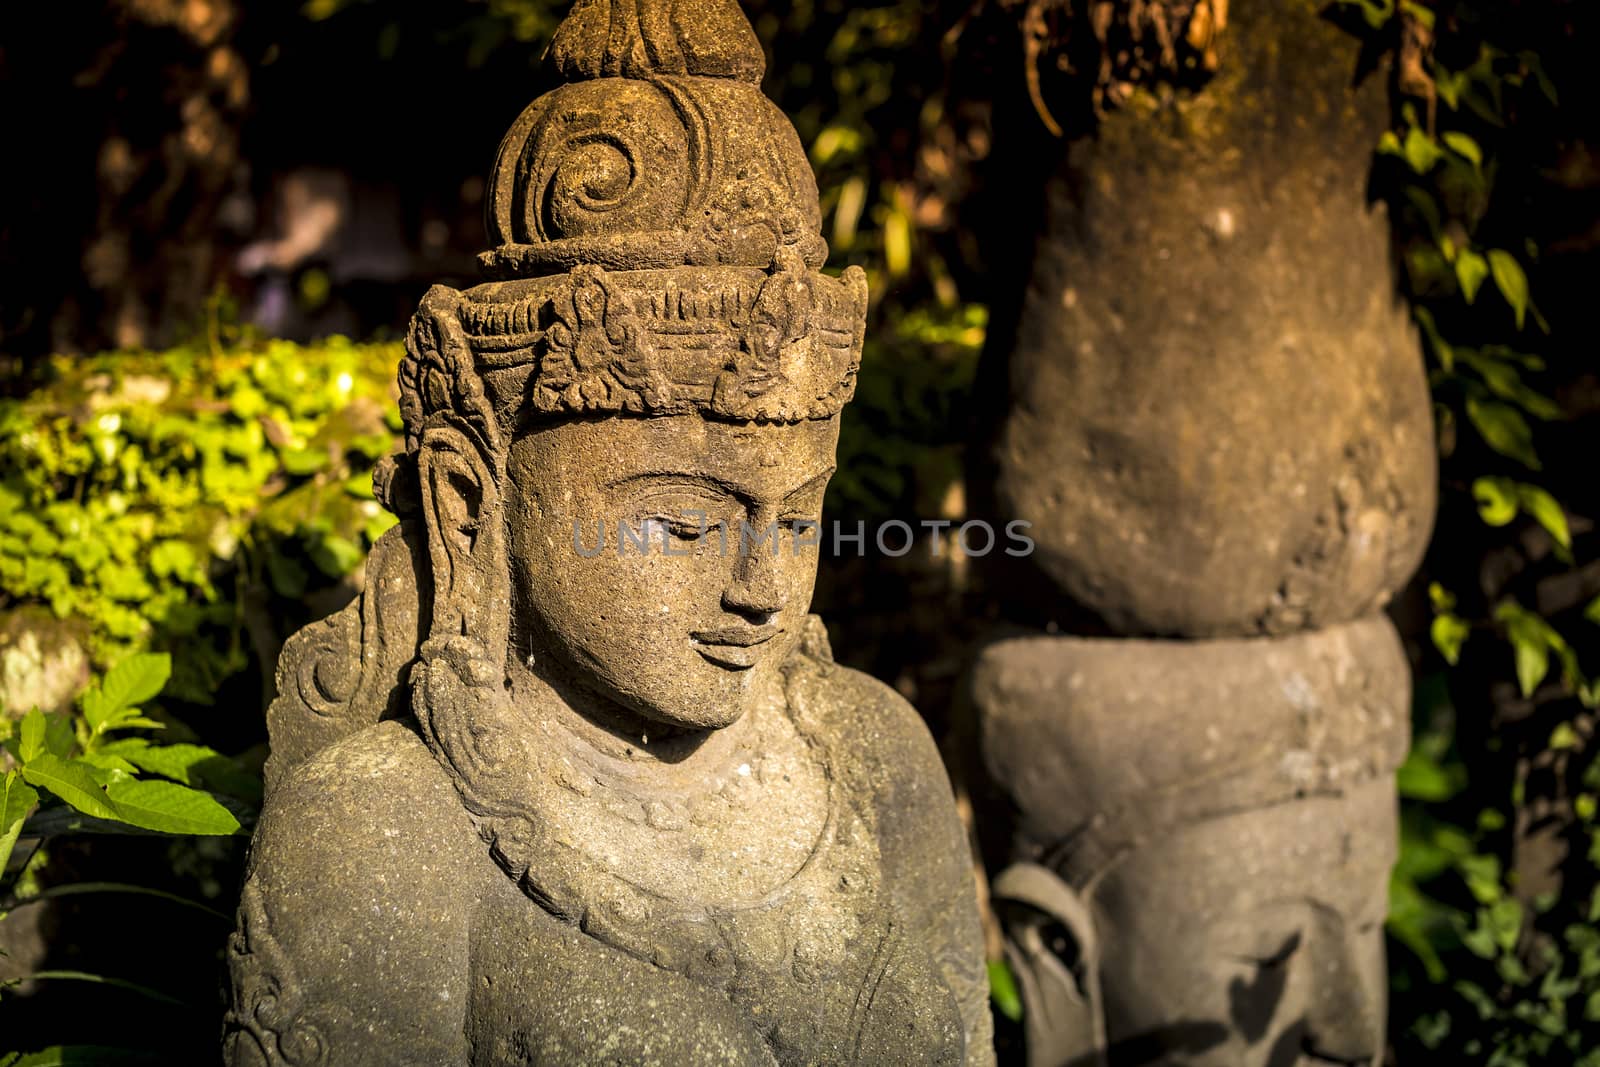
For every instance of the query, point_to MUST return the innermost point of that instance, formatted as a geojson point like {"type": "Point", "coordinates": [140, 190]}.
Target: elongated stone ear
{"type": "Point", "coordinates": [1053, 950]}
{"type": "Point", "coordinates": [461, 510]}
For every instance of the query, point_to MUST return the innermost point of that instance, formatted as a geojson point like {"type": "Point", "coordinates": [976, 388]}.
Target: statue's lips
{"type": "Point", "coordinates": [736, 647]}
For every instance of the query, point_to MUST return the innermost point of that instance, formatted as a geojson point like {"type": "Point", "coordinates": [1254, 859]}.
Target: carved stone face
{"type": "Point", "coordinates": [690, 630]}
{"type": "Point", "coordinates": [1254, 940]}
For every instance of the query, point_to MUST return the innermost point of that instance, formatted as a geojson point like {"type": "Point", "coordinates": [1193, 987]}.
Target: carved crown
{"type": "Point", "coordinates": [657, 244]}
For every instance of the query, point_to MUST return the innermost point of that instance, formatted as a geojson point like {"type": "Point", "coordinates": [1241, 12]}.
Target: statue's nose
{"type": "Point", "coordinates": [1344, 1017]}
{"type": "Point", "coordinates": [754, 591]}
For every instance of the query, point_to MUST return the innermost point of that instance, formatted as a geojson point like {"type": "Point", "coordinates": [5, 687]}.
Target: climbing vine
{"type": "Point", "coordinates": [1497, 892]}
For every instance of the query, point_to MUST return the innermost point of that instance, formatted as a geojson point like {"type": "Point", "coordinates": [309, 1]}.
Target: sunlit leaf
{"type": "Point", "coordinates": [17, 800]}
{"type": "Point", "coordinates": [1503, 429]}
{"type": "Point", "coordinates": [1513, 283]}
{"type": "Point", "coordinates": [1530, 644]}
{"type": "Point", "coordinates": [1420, 778]}
{"type": "Point", "coordinates": [1420, 151]}
{"type": "Point", "coordinates": [1471, 270]}
{"type": "Point", "coordinates": [1464, 146]}
{"type": "Point", "coordinates": [131, 682]}
{"type": "Point", "coordinates": [847, 212]}
{"type": "Point", "coordinates": [1496, 499]}
{"type": "Point", "coordinates": [1003, 991]}
{"type": "Point", "coordinates": [336, 556]}
{"type": "Point", "coordinates": [177, 762]}
{"type": "Point", "coordinates": [169, 807]}
{"type": "Point", "coordinates": [30, 736]}
{"type": "Point", "coordinates": [1546, 512]}
{"type": "Point", "coordinates": [1449, 633]}
{"type": "Point", "coordinates": [81, 1056]}
{"type": "Point", "coordinates": [1440, 597]}
{"type": "Point", "coordinates": [77, 783]}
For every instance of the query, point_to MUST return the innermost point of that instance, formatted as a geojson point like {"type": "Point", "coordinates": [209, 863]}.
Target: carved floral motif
{"type": "Point", "coordinates": [270, 1023]}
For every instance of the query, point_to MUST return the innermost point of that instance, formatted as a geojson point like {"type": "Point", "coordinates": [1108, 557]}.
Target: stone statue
{"type": "Point", "coordinates": [1201, 862]}
{"type": "Point", "coordinates": [577, 780]}
{"type": "Point", "coordinates": [1208, 400]}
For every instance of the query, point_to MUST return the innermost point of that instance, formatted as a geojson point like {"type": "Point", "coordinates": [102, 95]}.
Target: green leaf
{"type": "Point", "coordinates": [1463, 146]}
{"type": "Point", "coordinates": [1592, 612]}
{"type": "Point", "coordinates": [1533, 661]}
{"type": "Point", "coordinates": [379, 525]}
{"type": "Point", "coordinates": [108, 761]}
{"type": "Point", "coordinates": [75, 782]}
{"type": "Point", "coordinates": [81, 1056]}
{"type": "Point", "coordinates": [30, 738]}
{"type": "Point", "coordinates": [1496, 499]}
{"type": "Point", "coordinates": [1546, 512]}
{"type": "Point", "coordinates": [1471, 270]}
{"type": "Point", "coordinates": [1440, 597]}
{"type": "Point", "coordinates": [1003, 991]}
{"type": "Point", "coordinates": [1513, 283]}
{"type": "Point", "coordinates": [1564, 737]}
{"type": "Point", "coordinates": [1420, 778]}
{"type": "Point", "coordinates": [1450, 84]}
{"type": "Point", "coordinates": [59, 735]}
{"type": "Point", "coordinates": [136, 722]}
{"type": "Point", "coordinates": [177, 762]}
{"type": "Point", "coordinates": [171, 808]}
{"type": "Point", "coordinates": [1420, 151]}
{"type": "Point", "coordinates": [1423, 15]}
{"type": "Point", "coordinates": [308, 461]}
{"type": "Point", "coordinates": [1505, 919]}
{"type": "Point", "coordinates": [17, 801]}
{"type": "Point", "coordinates": [1503, 429]}
{"type": "Point", "coordinates": [1449, 633]}
{"type": "Point", "coordinates": [336, 556]}
{"type": "Point", "coordinates": [135, 680]}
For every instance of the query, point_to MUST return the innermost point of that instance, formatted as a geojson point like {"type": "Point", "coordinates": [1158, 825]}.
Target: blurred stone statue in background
{"type": "Point", "coordinates": [577, 779]}
{"type": "Point", "coordinates": [1204, 842]}
{"type": "Point", "coordinates": [1211, 404]}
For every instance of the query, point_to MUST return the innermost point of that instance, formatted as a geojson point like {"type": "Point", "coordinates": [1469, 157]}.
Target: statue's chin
{"type": "Point", "coordinates": [706, 697]}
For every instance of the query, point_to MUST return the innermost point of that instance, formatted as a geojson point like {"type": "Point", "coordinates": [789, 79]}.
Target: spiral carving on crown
{"type": "Point", "coordinates": [607, 159]}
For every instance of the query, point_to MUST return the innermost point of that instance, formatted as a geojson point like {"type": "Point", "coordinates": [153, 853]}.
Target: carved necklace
{"type": "Point", "coordinates": [513, 777]}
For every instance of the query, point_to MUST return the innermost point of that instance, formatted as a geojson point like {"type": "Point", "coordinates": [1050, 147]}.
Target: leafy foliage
{"type": "Point", "coordinates": [77, 761]}
{"type": "Point", "coordinates": [153, 494]}
{"type": "Point", "coordinates": [1493, 899]}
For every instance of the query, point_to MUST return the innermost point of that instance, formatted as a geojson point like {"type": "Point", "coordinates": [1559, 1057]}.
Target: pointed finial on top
{"type": "Point", "coordinates": [640, 38]}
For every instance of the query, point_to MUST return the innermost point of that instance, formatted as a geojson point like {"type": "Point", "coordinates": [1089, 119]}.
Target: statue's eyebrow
{"type": "Point", "coordinates": [706, 481]}
{"type": "Point", "coordinates": [696, 478]}
{"type": "Point", "coordinates": [810, 483]}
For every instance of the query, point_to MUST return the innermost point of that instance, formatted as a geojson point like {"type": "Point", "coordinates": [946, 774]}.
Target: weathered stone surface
{"type": "Point", "coordinates": [577, 780]}
{"type": "Point", "coordinates": [43, 661]}
{"type": "Point", "coordinates": [1218, 419]}
{"type": "Point", "coordinates": [1208, 828]}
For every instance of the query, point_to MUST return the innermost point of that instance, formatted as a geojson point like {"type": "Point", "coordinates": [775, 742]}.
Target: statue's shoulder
{"type": "Point", "coordinates": [882, 740]}
{"type": "Point", "coordinates": [355, 901]}
{"type": "Point", "coordinates": [367, 800]}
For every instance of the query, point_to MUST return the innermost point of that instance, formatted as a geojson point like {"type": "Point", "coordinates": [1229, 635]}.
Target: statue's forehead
{"type": "Point", "coordinates": [760, 458]}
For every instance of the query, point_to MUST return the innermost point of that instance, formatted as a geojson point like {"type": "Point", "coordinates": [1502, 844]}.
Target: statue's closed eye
{"type": "Point", "coordinates": [1278, 956]}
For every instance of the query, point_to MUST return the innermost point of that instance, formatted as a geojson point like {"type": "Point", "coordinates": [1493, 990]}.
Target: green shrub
{"type": "Point", "coordinates": [163, 497]}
